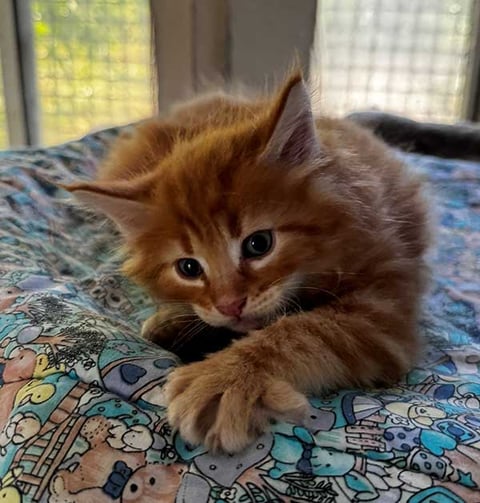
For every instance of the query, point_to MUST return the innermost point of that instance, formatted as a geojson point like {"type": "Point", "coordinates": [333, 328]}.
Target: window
{"type": "Point", "coordinates": [75, 65]}
{"type": "Point", "coordinates": [404, 56]}
{"type": "Point", "coordinates": [93, 64]}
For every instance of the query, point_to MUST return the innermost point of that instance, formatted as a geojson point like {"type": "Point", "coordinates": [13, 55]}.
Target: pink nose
{"type": "Point", "coordinates": [232, 307]}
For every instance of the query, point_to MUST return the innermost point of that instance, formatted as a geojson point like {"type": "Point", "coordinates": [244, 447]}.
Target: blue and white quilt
{"type": "Point", "coordinates": [81, 419]}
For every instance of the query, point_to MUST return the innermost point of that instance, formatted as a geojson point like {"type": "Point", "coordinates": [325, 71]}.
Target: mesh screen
{"type": "Point", "coordinates": [403, 56]}
{"type": "Point", "coordinates": [93, 64]}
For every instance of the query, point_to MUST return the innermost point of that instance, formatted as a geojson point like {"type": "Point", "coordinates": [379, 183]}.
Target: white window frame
{"type": "Point", "coordinates": [19, 73]}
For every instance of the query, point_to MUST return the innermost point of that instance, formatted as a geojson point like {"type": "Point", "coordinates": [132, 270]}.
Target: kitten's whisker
{"type": "Point", "coordinates": [185, 336]}
{"type": "Point", "coordinates": [180, 340]}
{"type": "Point", "coordinates": [400, 221]}
{"type": "Point", "coordinates": [168, 322]}
{"type": "Point", "coordinates": [183, 315]}
{"type": "Point", "coordinates": [330, 273]}
{"type": "Point", "coordinates": [193, 323]}
{"type": "Point", "coordinates": [278, 280]}
{"type": "Point", "coordinates": [288, 303]}
{"type": "Point", "coordinates": [295, 306]}
{"type": "Point", "coordinates": [192, 316]}
{"type": "Point", "coordinates": [178, 344]}
{"type": "Point", "coordinates": [178, 317]}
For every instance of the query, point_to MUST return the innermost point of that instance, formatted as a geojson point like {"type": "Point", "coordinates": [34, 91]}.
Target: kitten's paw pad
{"type": "Point", "coordinates": [226, 411]}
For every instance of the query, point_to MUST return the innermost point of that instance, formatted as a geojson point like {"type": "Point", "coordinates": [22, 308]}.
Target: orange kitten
{"type": "Point", "coordinates": [303, 232]}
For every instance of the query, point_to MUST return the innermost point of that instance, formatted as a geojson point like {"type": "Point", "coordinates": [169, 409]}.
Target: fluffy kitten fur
{"type": "Point", "coordinates": [333, 304]}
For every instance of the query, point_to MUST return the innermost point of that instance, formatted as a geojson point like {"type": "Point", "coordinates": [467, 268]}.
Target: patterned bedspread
{"type": "Point", "coordinates": [81, 406]}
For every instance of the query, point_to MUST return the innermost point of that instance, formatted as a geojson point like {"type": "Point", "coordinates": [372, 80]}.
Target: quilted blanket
{"type": "Point", "coordinates": [81, 407]}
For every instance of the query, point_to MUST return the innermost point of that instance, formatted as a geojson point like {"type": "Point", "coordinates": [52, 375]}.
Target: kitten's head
{"type": "Point", "coordinates": [236, 220]}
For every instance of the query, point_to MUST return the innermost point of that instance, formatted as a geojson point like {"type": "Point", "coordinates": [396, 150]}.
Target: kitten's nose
{"type": "Point", "coordinates": [230, 307]}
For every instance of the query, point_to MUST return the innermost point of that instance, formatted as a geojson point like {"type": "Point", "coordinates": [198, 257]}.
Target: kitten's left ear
{"type": "Point", "coordinates": [120, 201]}
{"type": "Point", "coordinates": [293, 138]}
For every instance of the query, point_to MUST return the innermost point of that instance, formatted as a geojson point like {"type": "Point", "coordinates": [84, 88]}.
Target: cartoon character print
{"type": "Point", "coordinates": [8, 296]}
{"type": "Point", "coordinates": [106, 290]}
{"type": "Point", "coordinates": [35, 392]}
{"type": "Point", "coordinates": [412, 413]}
{"type": "Point", "coordinates": [468, 396]}
{"type": "Point", "coordinates": [405, 484]}
{"type": "Point", "coordinates": [130, 438]}
{"type": "Point", "coordinates": [109, 405]}
{"type": "Point", "coordinates": [133, 378]}
{"type": "Point", "coordinates": [114, 466]}
{"type": "Point", "coordinates": [10, 325]}
{"type": "Point", "coordinates": [460, 432]}
{"type": "Point", "coordinates": [150, 483]}
{"type": "Point", "coordinates": [466, 360]}
{"type": "Point", "coordinates": [416, 429]}
{"type": "Point", "coordinates": [74, 347]}
{"type": "Point", "coordinates": [431, 386]}
{"type": "Point", "coordinates": [8, 491]}
{"type": "Point", "coordinates": [20, 286]}
{"type": "Point", "coordinates": [20, 378]}
{"type": "Point", "coordinates": [465, 461]}
{"type": "Point", "coordinates": [43, 283]}
{"type": "Point", "coordinates": [224, 469]}
{"type": "Point", "coordinates": [451, 393]}
{"type": "Point", "coordinates": [24, 363]}
{"type": "Point", "coordinates": [19, 365]}
{"type": "Point", "coordinates": [153, 483]}
{"type": "Point", "coordinates": [308, 468]}
{"type": "Point", "coordinates": [299, 453]}
{"type": "Point", "coordinates": [439, 447]}
{"type": "Point", "coordinates": [383, 448]}
{"type": "Point", "coordinates": [84, 473]}
{"type": "Point", "coordinates": [60, 494]}
{"type": "Point", "coordinates": [20, 428]}
{"type": "Point", "coordinates": [422, 461]}
{"type": "Point", "coordinates": [356, 424]}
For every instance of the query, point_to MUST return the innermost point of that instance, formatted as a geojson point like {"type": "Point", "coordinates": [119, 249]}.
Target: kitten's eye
{"type": "Point", "coordinates": [257, 244]}
{"type": "Point", "coordinates": [189, 268]}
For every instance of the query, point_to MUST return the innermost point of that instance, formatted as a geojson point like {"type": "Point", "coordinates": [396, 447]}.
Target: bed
{"type": "Point", "coordinates": [82, 417]}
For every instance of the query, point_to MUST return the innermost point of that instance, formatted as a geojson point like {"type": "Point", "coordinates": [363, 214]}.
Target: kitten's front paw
{"type": "Point", "coordinates": [225, 405]}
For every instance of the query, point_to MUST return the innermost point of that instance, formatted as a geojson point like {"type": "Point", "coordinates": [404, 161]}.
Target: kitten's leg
{"type": "Point", "coordinates": [225, 400]}
{"type": "Point", "coordinates": [164, 327]}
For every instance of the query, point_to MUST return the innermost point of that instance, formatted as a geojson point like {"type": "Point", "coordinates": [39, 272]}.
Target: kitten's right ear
{"type": "Point", "coordinates": [293, 137]}
{"type": "Point", "coordinates": [119, 201]}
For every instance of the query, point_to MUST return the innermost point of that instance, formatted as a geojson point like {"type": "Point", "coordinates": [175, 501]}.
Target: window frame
{"type": "Point", "coordinates": [212, 39]}
{"type": "Point", "coordinates": [19, 73]}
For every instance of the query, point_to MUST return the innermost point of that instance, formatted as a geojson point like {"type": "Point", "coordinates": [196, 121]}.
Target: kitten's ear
{"type": "Point", "coordinates": [119, 201]}
{"type": "Point", "coordinates": [293, 138]}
